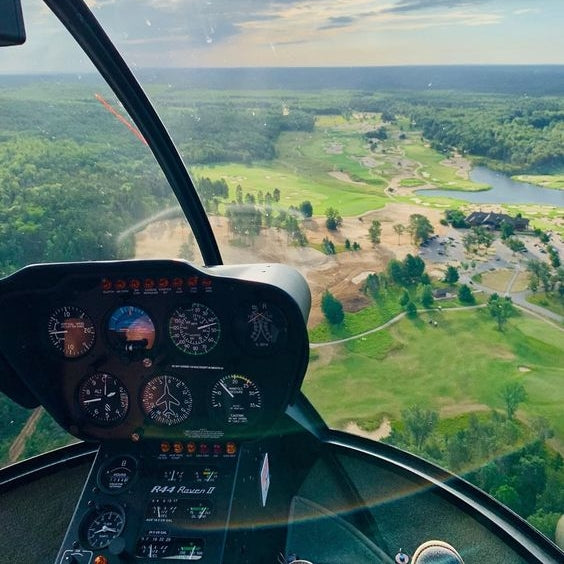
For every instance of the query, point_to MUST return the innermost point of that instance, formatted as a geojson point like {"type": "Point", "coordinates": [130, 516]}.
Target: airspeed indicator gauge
{"type": "Point", "coordinates": [194, 329]}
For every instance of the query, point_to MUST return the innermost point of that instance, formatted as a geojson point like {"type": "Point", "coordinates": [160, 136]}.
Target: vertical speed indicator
{"type": "Point", "coordinates": [71, 331]}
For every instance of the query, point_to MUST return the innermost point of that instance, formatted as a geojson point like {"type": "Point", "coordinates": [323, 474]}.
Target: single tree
{"type": "Point", "coordinates": [420, 228]}
{"type": "Point", "coordinates": [334, 220]}
{"type": "Point", "coordinates": [501, 309]}
{"type": "Point", "coordinates": [420, 423]}
{"type": "Point", "coordinates": [411, 310]}
{"type": "Point", "coordinates": [306, 208]}
{"type": "Point", "coordinates": [399, 228]}
{"type": "Point", "coordinates": [451, 275]}
{"type": "Point", "coordinates": [427, 298]}
{"type": "Point", "coordinates": [512, 395]}
{"type": "Point", "coordinates": [375, 232]}
{"type": "Point", "coordinates": [332, 308]}
{"type": "Point", "coordinates": [465, 294]}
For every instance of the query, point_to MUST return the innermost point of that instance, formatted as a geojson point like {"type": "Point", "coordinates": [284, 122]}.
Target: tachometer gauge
{"type": "Point", "coordinates": [103, 398]}
{"type": "Point", "coordinates": [131, 329]}
{"type": "Point", "coordinates": [194, 329]}
{"type": "Point", "coordinates": [71, 331]}
{"type": "Point", "coordinates": [102, 525]}
{"type": "Point", "coordinates": [166, 400]}
{"type": "Point", "coordinates": [236, 399]}
{"type": "Point", "coordinates": [261, 327]}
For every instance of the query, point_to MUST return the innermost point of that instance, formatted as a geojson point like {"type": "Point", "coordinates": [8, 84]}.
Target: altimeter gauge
{"type": "Point", "coordinates": [71, 331]}
{"type": "Point", "coordinates": [194, 329]}
{"type": "Point", "coordinates": [166, 400]}
{"type": "Point", "coordinates": [236, 400]}
{"type": "Point", "coordinates": [103, 398]}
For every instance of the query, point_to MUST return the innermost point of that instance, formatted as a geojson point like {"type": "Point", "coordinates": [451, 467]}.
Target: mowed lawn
{"type": "Point", "coordinates": [322, 192]}
{"type": "Point", "coordinates": [455, 368]}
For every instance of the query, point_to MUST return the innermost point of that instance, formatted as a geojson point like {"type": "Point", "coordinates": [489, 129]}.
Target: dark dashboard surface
{"type": "Point", "coordinates": [155, 349]}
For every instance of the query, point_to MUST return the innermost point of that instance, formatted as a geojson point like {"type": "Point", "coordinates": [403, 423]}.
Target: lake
{"type": "Point", "coordinates": [504, 190]}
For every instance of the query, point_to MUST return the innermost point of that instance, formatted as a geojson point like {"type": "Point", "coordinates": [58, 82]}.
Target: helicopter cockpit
{"type": "Point", "coordinates": [182, 384]}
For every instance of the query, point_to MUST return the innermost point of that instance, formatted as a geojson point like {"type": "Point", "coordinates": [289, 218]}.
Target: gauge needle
{"type": "Point", "coordinates": [91, 400]}
{"type": "Point", "coordinates": [111, 394]}
{"type": "Point", "coordinates": [207, 325]}
{"type": "Point", "coordinates": [202, 513]}
{"type": "Point", "coordinates": [62, 332]}
{"type": "Point", "coordinates": [105, 529]}
{"type": "Point", "coordinates": [226, 389]}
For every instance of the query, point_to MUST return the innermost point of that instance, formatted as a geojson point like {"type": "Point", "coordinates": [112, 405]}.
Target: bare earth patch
{"type": "Point", "coordinates": [341, 274]}
{"type": "Point", "coordinates": [382, 432]}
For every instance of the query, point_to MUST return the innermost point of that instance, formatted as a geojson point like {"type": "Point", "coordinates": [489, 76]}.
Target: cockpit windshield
{"type": "Point", "coordinates": [406, 156]}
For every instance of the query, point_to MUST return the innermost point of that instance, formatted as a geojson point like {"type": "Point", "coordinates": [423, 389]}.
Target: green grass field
{"type": "Point", "coordinates": [554, 181]}
{"type": "Point", "coordinates": [549, 301]}
{"type": "Point", "coordinates": [456, 368]}
{"type": "Point", "coordinates": [443, 177]}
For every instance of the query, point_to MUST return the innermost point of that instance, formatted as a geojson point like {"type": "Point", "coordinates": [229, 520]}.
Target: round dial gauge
{"type": "Point", "coordinates": [103, 398]}
{"type": "Point", "coordinates": [236, 399]}
{"type": "Point", "coordinates": [166, 400]}
{"type": "Point", "coordinates": [117, 474]}
{"type": "Point", "coordinates": [101, 526]}
{"type": "Point", "coordinates": [261, 327]}
{"type": "Point", "coordinates": [194, 329]}
{"type": "Point", "coordinates": [71, 331]}
{"type": "Point", "coordinates": [131, 329]}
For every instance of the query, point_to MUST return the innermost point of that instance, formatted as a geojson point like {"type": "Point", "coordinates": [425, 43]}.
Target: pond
{"type": "Point", "coordinates": [504, 190]}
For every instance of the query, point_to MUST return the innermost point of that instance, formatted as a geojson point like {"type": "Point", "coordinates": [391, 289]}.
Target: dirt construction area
{"type": "Point", "coordinates": [342, 274]}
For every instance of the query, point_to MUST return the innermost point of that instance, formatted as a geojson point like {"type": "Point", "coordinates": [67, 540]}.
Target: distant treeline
{"type": "Point", "coordinates": [514, 134]}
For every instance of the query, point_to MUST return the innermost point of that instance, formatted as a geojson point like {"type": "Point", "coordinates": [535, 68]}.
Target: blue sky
{"type": "Point", "coordinates": [195, 33]}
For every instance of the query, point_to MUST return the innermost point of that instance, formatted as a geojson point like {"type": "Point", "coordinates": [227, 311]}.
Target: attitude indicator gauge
{"type": "Point", "coordinates": [71, 331]}
{"type": "Point", "coordinates": [194, 329]}
{"type": "Point", "coordinates": [236, 400]}
{"type": "Point", "coordinates": [166, 400]}
{"type": "Point", "coordinates": [102, 525]}
{"type": "Point", "coordinates": [103, 398]}
{"type": "Point", "coordinates": [131, 329]}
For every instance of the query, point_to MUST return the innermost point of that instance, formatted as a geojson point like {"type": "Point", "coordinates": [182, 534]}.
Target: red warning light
{"type": "Point", "coordinates": [192, 281]}
{"type": "Point", "coordinates": [164, 283]}
{"type": "Point", "coordinates": [148, 283]}
{"type": "Point", "coordinates": [135, 284]}
{"type": "Point", "coordinates": [177, 282]}
{"type": "Point", "coordinates": [120, 285]}
{"type": "Point", "coordinates": [106, 284]}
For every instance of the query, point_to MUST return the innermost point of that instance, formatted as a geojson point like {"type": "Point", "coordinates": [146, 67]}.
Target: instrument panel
{"type": "Point", "coordinates": [156, 349]}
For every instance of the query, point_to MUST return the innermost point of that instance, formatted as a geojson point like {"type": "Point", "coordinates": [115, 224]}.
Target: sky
{"type": "Point", "coordinates": [232, 33]}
